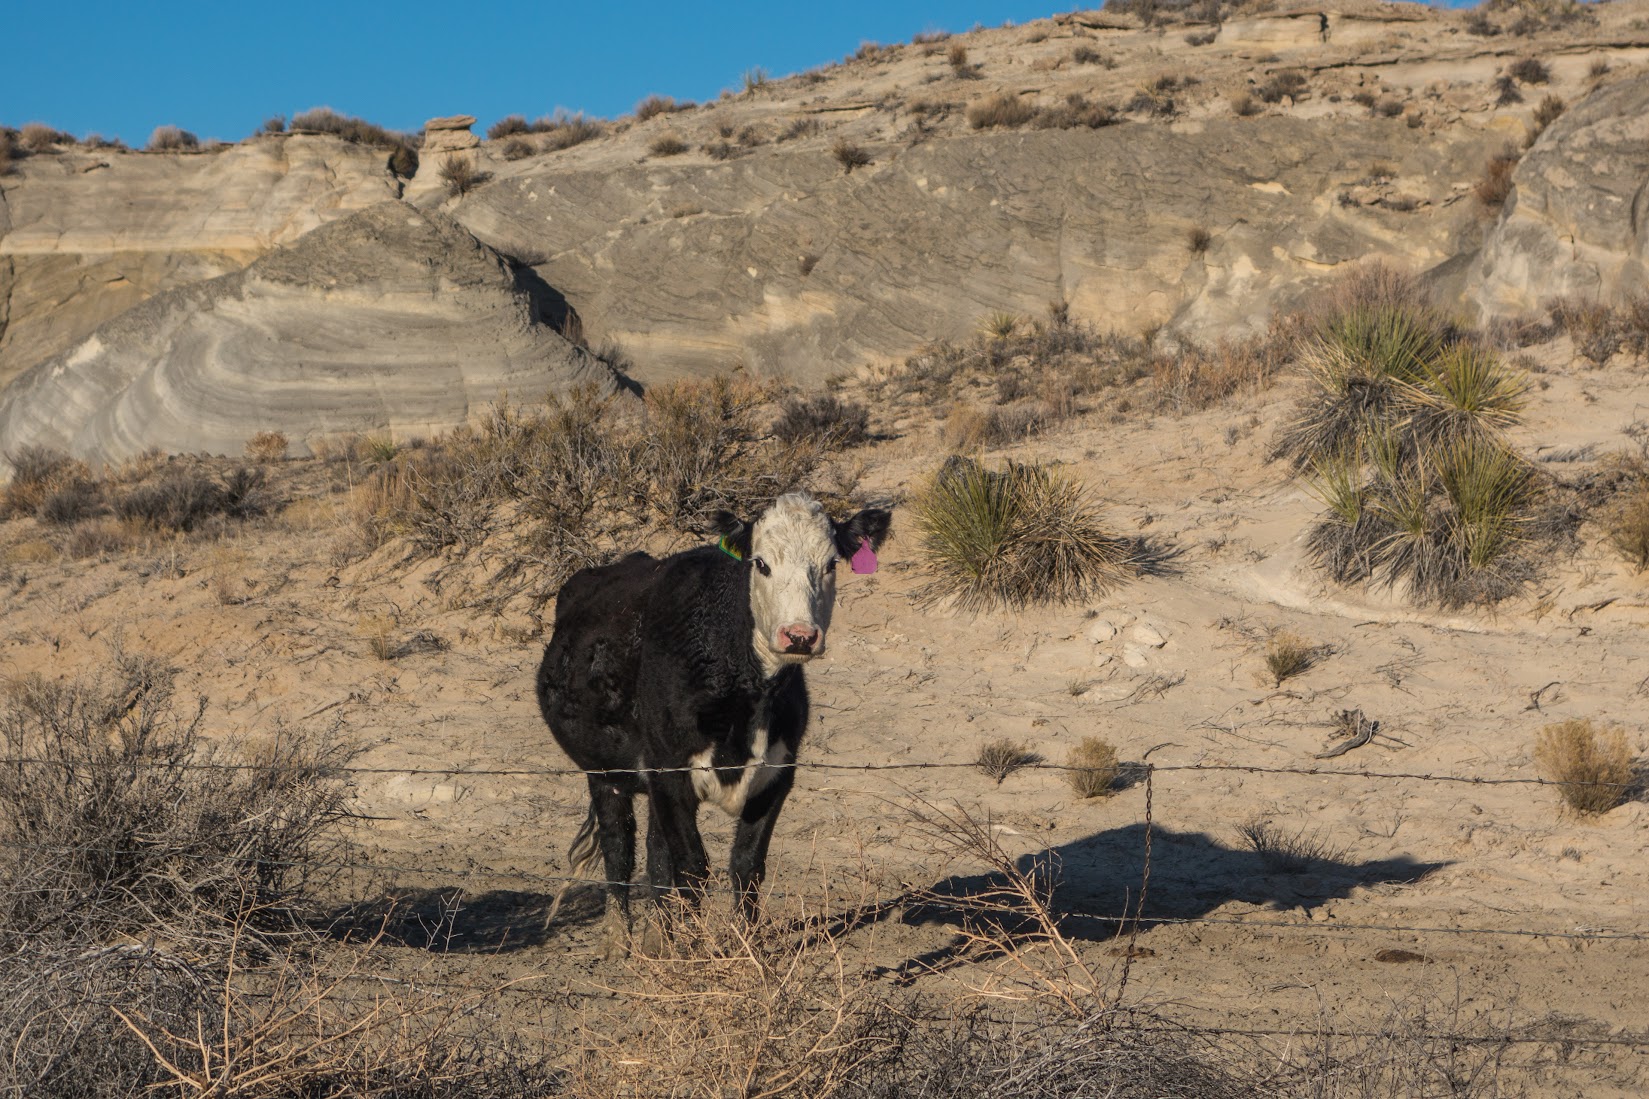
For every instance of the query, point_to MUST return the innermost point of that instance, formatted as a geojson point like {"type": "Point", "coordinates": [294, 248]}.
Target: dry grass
{"type": "Point", "coordinates": [1594, 765]}
{"type": "Point", "coordinates": [997, 759]}
{"type": "Point", "coordinates": [1288, 655]}
{"type": "Point", "coordinates": [378, 631]}
{"type": "Point", "coordinates": [358, 131]}
{"type": "Point", "coordinates": [1093, 768]}
{"type": "Point", "coordinates": [1021, 535]}
{"type": "Point", "coordinates": [1529, 70]}
{"type": "Point", "coordinates": [517, 148]}
{"type": "Point", "coordinates": [969, 428]}
{"type": "Point", "coordinates": [267, 446]}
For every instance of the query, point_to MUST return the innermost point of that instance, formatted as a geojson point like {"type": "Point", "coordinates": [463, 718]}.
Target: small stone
{"type": "Point", "coordinates": [450, 122]}
{"type": "Point", "coordinates": [1101, 630]}
{"type": "Point", "coordinates": [1149, 636]}
{"type": "Point", "coordinates": [1134, 656]}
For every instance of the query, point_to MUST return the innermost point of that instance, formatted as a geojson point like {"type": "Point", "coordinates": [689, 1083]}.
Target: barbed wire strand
{"type": "Point", "coordinates": [801, 765]}
{"type": "Point", "coordinates": [912, 899]}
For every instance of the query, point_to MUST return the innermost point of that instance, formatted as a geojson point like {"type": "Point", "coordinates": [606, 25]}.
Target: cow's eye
{"type": "Point", "coordinates": [761, 566]}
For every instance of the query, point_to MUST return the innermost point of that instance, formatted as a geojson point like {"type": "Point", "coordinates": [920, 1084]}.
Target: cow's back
{"type": "Point", "coordinates": [586, 683]}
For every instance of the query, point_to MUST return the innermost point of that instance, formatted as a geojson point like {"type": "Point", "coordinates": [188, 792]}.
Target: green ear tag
{"type": "Point", "coordinates": [729, 550]}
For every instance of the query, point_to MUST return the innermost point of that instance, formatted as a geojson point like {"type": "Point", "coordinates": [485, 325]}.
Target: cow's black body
{"type": "Point", "coordinates": [651, 665]}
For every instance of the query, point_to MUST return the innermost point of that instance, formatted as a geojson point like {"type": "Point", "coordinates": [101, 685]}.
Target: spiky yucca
{"type": "Point", "coordinates": [1467, 392]}
{"type": "Point", "coordinates": [1363, 361]}
{"type": "Point", "coordinates": [1012, 537]}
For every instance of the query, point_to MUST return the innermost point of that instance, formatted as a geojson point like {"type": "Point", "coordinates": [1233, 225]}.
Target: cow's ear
{"type": "Point", "coordinates": [870, 525]}
{"type": "Point", "coordinates": [733, 532]}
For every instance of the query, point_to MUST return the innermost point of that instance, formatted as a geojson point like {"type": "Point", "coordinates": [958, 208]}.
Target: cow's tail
{"type": "Point", "coordinates": [585, 847]}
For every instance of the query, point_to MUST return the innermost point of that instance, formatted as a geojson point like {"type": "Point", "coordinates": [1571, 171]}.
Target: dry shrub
{"type": "Point", "coordinates": [849, 155]}
{"type": "Point", "coordinates": [1550, 110]}
{"type": "Point", "coordinates": [1199, 377]}
{"type": "Point", "coordinates": [957, 55]}
{"type": "Point", "coordinates": [324, 120]}
{"type": "Point", "coordinates": [1593, 765]}
{"type": "Point", "coordinates": [186, 500]}
{"type": "Point", "coordinates": [1087, 55]}
{"type": "Point", "coordinates": [1285, 85]}
{"type": "Point", "coordinates": [103, 536]}
{"type": "Point", "coordinates": [1288, 655]}
{"type": "Point", "coordinates": [998, 759]}
{"type": "Point", "coordinates": [970, 428]}
{"type": "Point", "coordinates": [124, 831]}
{"type": "Point", "coordinates": [460, 174]}
{"type": "Point", "coordinates": [378, 631]}
{"type": "Point", "coordinates": [1244, 106]}
{"type": "Point", "coordinates": [1075, 112]}
{"type": "Point", "coordinates": [267, 446]}
{"type": "Point", "coordinates": [1005, 109]}
{"type": "Point", "coordinates": [1496, 185]}
{"type": "Point", "coordinates": [168, 139]}
{"type": "Point", "coordinates": [36, 472]}
{"type": "Point", "coordinates": [563, 131]}
{"type": "Point", "coordinates": [653, 106]}
{"type": "Point", "coordinates": [226, 575]}
{"type": "Point", "coordinates": [508, 126]}
{"type": "Point", "coordinates": [1285, 852]}
{"type": "Point", "coordinates": [581, 477]}
{"type": "Point", "coordinates": [37, 137]}
{"type": "Point", "coordinates": [1092, 768]}
{"type": "Point", "coordinates": [1627, 526]}
{"type": "Point", "coordinates": [721, 150]}
{"type": "Point", "coordinates": [1597, 331]}
{"type": "Point", "coordinates": [1012, 537]}
{"type": "Point", "coordinates": [1198, 239]}
{"type": "Point", "coordinates": [275, 124]}
{"type": "Point", "coordinates": [1529, 70]}
{"type": "Point", "coordinates": [667, 145]}
{"type": "Point", "coordinates": [825, 418]}
{"type": "Point", "coordinates": [517, 149]}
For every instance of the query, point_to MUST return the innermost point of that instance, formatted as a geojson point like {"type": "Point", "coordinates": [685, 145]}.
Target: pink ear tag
{"type": "Point", "coordinates": [864, 559]}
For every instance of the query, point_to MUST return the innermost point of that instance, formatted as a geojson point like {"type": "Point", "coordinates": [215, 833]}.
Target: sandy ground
{"type": "Point", "coordinates": [1472, 878]}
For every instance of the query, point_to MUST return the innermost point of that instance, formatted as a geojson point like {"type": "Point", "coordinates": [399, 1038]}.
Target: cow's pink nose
{"type": "Point", "coordinates": [799, 639]}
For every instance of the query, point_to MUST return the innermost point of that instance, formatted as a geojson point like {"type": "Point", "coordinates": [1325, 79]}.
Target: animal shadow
{"type": "Point", "coordinates": [1094, 885]}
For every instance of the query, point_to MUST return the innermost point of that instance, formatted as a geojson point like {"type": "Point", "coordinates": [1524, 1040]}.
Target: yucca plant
{"type": "Point", "coordinates": [1363, 362]}
{"type": "Point", "coordinates": [1489, 487]}
{"type": "Point", "coordinates": [1011, 537]}
{"type": "Point", "coordinates": [999, 326]}
{"type": "Point", "coordinates": [1467, 391]}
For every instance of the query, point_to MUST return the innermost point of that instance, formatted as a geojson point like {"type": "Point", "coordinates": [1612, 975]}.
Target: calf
{"type": "Point", "coordinates": [682, 679]}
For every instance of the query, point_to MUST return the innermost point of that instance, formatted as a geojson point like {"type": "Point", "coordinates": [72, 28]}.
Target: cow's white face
{"type": "Point", "coordinates": [793, 555]}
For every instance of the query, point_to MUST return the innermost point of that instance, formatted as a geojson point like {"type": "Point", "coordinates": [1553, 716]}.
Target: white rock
{"type": "Point", "coordinates": [1149, 636]}
{"type": "Point", "coordinates": [1101, 630]}
{"type": "Point", "coordinates": [1134, 656]}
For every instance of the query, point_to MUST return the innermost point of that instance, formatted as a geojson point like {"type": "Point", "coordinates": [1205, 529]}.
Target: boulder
{"type": "Point", "coordinates": [1577, 221]}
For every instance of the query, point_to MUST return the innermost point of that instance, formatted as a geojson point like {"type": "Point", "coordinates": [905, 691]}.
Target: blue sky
{"type": "Point", "coordinates": [219, 69]}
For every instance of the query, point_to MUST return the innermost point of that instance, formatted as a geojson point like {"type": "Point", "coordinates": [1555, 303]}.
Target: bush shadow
{"type": "Point", "coordinates": [450, 920]}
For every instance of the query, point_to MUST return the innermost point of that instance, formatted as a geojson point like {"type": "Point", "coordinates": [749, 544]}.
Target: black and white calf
{"type": "Point", "coordinates": [682, 679]}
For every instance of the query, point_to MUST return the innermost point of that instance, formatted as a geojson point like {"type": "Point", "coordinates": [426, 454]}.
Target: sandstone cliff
{"type": "Point", "coordinates": [387, 320]}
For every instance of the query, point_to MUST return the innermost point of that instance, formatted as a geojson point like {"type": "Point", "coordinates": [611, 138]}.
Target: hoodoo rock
{"type": "Point", "coordinates": [450, 134]}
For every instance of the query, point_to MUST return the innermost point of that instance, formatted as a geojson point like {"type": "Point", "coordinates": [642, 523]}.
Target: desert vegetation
{"type": "Point", "coordinates": [1020, 535]}
{"type": "Point", "coordinates": [1592, 766]}
{"type": "Point", "coordinates": [1403, 439]}
{"type": "Point", "coordinates": [460, 174]}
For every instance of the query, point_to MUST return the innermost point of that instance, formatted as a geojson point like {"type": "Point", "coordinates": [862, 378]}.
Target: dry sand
{"type": "Point", "coordinates": [1414, 860]}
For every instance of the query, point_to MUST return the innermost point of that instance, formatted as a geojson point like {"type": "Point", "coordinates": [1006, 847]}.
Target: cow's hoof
{"type": "Point", "coordinates": [615, 937]}
{"type": "Point", "coordinates": [654, 941]}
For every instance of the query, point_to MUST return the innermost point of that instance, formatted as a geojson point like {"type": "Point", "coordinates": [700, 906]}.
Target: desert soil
{"type": "Point", "coordinates": [1480, 881]}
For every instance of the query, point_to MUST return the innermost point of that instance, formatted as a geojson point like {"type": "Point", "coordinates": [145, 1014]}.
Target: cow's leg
{"type": "Point", "coordinates": [616, 824]}
{"type": "Point", "coordinates": [755, 830]}
{"type": "Point", "coordinates": [672, 812]}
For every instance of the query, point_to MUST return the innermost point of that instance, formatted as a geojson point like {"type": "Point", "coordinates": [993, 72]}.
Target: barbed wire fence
{"type": "Point", "coordinates": [1129, 924]}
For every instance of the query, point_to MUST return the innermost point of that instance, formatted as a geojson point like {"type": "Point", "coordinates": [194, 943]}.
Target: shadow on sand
{"type": "Point", "coordinates": [1095, 888]}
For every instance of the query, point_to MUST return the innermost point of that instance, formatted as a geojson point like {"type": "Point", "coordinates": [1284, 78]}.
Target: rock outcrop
{"type": "Point", "coordinates": [387, 320]}
{"type": "Point", "coordinates": [1577, 221]}
{"type": "Point", "coordinates": [786, 264]}
{"type": "Point", "coordinates": [86, 234]}
{"type": "Point", "coordinates": [450, 134]}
